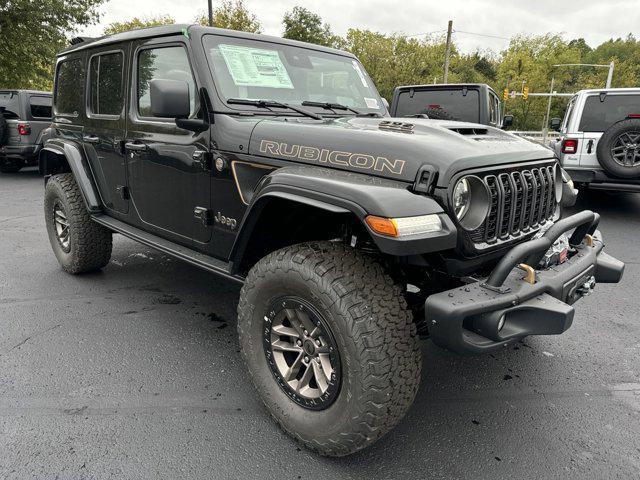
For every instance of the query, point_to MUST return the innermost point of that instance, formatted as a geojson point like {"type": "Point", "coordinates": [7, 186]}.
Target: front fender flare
{"type": "Point", "coordinates": [342, 192]}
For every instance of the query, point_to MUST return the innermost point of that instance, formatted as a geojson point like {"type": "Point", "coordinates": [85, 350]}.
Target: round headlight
{"type": "Point", "coordinates": [470, 202]}
{"type": "Point", "coordinates": [558, 178]}
{"type": "Point", "coordinates": [461, 198]}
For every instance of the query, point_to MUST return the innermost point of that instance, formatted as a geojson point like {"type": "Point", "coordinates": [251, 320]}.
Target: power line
{"type": "Point", "coordinates": [481, 34]}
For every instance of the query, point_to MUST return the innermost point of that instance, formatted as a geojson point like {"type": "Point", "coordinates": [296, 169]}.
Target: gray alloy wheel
{"type": "Point", "coordinates": [61, 224]}
{"type": "Point", "coordinates": [626, 149]}
{"type": "Point", "coordinates": [302, 354]}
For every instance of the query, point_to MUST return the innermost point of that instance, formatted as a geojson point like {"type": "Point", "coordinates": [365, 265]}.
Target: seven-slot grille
{"type": "Point", "coordinates": [521, 201]}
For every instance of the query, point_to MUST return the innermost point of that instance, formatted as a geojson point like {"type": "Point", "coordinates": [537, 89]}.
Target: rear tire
{"type": "Point", "coordinates": [364, 313]}
{"type": "Point", "coordinates": [80, 244]}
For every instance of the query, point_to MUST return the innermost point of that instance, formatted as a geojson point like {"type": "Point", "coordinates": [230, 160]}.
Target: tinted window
{"type": "Point", "coordinates": [494, 110]}
{"type": "Point", "coordinates": [597, 116]}
{"type": "Point", "coordinates": [69, 87]}
{"type": "Point", "coordinates": [106, 96]}
{"type": "Point", "coordinates": [452, 103]}
{"type": "Point", "coordinates": [10, 104]}
{"type": "Point", "coordinates": [169, 63]}
{"type": "Point", "coordinates": [40, 107]}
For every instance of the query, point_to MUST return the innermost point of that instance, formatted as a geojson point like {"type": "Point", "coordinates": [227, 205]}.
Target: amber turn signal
{"type": "Point", "coordinates": [383, 226]}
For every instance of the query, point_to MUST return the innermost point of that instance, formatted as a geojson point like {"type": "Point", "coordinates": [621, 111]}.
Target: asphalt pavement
{"type": "Point", "coordinates": [134, 373]}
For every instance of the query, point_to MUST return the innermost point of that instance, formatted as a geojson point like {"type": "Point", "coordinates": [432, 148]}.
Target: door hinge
{"type": "Point", "coordinates": [123, 191]}
{"type": "Point", "coordinates": [204, 215]}
{"type": "Point", "coordinates": [202, 159]}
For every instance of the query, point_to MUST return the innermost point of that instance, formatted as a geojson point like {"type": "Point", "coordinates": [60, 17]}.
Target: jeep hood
{"type": "Point", "coordinates": [393, 148]}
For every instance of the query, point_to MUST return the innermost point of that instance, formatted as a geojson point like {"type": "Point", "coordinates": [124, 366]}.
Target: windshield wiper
{"type": "Point", "coordinates": [339, 106]}
{"type": "Point", "coordinates": [273, 103]}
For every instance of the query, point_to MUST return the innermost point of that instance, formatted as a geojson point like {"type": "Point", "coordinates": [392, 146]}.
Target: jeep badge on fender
{"type": "Point", "coordinates": [353, 234]}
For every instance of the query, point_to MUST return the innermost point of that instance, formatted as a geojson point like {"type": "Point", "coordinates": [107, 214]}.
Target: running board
{"type": "Point", "coordinates": [180, 252]}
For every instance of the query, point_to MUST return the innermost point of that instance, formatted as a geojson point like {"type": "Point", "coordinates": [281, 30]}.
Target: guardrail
{"type": "Point", "coordinates": [536, 136]}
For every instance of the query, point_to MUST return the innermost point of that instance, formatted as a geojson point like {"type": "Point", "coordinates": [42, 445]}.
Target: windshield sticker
{"type": "Point", "coordinates": [357, 68]}
{"type": "Point", "coordinates": [371, 102]}
{"type": "Point", "coordinates": [255, 67]}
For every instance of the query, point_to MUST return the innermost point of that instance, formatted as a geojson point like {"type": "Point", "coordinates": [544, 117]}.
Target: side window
{"type": "Point", "coordinates": [106, 86]}
{"type": "Point", "coordinates": [40, 107]}
{"type": "Point", "coordinates": [69, 87]}
{"type": "Point", "coordinates": [166, 63]}
{"type": "Point", "coordinates": [567, 115]}
{"type": "Point", "coordinates": [493, 109]}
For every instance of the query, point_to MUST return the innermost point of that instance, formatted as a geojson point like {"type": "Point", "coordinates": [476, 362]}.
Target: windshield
{"type": "Point", "coordinates": [440, 104]}
{"type": "Point", "coordinates": [597, 115]}
{"type": "Point", "coordinates": [10, 105]}
{"type": "Point", "coordinates": [256, 70]}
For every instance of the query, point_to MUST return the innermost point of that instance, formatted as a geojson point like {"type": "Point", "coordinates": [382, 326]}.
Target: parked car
{"type": "Point", "coordinates": [272, 163]}
{"type": "Point", "coordinates": [599, 143]}
{"type": "Point", "coordinates": [466, 102]}
{"type": "Point", "coordinates": [24, 116]}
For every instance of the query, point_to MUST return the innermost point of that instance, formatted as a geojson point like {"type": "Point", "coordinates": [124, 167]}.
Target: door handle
{"type": "Point", "coordinates": [91, 139]}
{"type": "Point", "coordinates": [136, 147]}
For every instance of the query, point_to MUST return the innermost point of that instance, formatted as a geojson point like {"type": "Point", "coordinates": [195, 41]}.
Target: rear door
{"type": "Point", "coordinates": [104, 129]}
{"type": "Point", "coordinates": [168, 174]}
{"type": "Point", "coordinates": [599, 113]}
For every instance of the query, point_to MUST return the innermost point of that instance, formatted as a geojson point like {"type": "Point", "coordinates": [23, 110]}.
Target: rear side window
{"type": "Point", "coordinates": [106, 86]}
{"type": "Point", "coordinates": [451, 103]}
{"type": "Point", "coordinates": [597, 115]}
{"type": "Point", "coordinates": [10, 105]}
{"type": "Point", "coordinates": [69, 87]}
{"type": "Point", "coordinates": [167, 63]}
{"type": "Point", "coordinates": [40, 107]}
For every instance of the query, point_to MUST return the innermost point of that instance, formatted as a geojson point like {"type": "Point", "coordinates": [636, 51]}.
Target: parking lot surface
{"type": "Point", "coordinates": [134, 373]}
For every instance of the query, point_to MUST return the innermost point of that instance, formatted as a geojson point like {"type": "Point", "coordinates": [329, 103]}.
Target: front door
{"type": "Point", "coordinates": [104, 130]}
{"type": "Point", "coordinates": [168, 174]}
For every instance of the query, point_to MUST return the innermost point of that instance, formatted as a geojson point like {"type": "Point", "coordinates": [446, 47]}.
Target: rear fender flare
{"type": "Point", "coordinates": [75, 157]}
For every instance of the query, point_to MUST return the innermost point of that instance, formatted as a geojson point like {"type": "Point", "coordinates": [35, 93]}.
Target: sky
{"type": "Point", "coordinates": [478, 24]}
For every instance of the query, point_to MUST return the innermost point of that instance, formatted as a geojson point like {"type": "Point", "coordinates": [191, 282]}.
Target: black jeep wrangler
{"type": "Point", "coordinates": [274, 164]}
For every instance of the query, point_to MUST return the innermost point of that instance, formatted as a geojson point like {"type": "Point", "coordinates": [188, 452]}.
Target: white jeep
{"type": "Point", "coordinates": [599, 143]}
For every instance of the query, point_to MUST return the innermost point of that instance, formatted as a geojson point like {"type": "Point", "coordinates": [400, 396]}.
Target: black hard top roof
{"type": "Point", "coordinates": [444, 86]}
{"type": "Point", "coordinates": [178, 29]}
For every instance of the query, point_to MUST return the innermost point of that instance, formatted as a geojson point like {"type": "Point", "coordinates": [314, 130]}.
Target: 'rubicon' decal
{"type": "Point", "coordinates": [334, 157]}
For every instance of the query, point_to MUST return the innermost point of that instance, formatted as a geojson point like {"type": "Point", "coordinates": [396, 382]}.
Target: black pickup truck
{"type": "Point", "coordinates": [465, 102]}
{"type": "Point", "coordinates": [274, 164]}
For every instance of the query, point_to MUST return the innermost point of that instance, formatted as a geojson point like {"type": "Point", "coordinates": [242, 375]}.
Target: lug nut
{"type": "Point", "coordinates": [306, 359]}
{"type": "Point", "coordinates": [305, 333]}
{"type": "Point", "coordinates": [318, 342]}
{"type": "Point", "coordinates": [299, 343]}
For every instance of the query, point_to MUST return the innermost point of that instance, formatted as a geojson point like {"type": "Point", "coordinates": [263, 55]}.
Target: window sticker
{"type": "Point", "coordinates": [371, 102]}
{"type": "Point", "coordinates": [255, 67]}
{"type": "Point", "coordinates": [363, 79]}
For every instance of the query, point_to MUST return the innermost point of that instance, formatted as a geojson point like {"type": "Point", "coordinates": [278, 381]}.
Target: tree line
{"type": "Point", "coordinates": [34, 30]}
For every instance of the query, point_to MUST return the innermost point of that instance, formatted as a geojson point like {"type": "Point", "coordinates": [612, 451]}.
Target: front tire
{"type": "Point", "coordinates": [353, 306]}
{"type": "Point", "coordinates": [80, 244]}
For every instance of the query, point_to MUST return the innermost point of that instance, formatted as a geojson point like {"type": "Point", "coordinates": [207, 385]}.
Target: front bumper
{"type": "Point", "coordinates": [487, 315]}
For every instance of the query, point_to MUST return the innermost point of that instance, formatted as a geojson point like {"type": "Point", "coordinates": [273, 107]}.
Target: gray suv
{"type": "Point", "coordinates": [24, 117]}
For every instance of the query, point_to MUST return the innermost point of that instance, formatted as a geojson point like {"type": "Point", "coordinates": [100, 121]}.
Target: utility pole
{"type": "Point", "coordinates": [545, 127]}
{"type": "Point", "coordinates": [610, 76]}
{"type": "Point", "coordinates": [448, 51]}
{"type": "Point", "coordinates": [210, 13]}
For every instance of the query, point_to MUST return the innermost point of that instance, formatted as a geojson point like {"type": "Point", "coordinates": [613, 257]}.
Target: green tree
{"type": "Point", "coordinates": [32, 32]}
{"type": "Point", "coordinates": [136, 23]}
{"type": "Point", "coordinates": [234, 16]}
{"type": "Point", "coordinates": [306, 26]}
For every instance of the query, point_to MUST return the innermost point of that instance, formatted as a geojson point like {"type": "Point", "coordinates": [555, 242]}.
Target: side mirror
{"type": "Point", "coordinates": [555, 124]}
{"type": "Point", "coordinates": [507, 121]}
{"type": "Point", "coordinates": [170, 98]}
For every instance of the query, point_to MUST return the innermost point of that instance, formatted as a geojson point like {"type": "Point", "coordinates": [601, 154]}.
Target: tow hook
{"type": "Point", "coordinates": [587, 287]}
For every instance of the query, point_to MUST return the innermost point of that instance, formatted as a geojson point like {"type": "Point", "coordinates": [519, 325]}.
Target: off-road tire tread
{"type": "Point", "coordinates": [377, 319]}
{"type": "Point", "coordinates": [94, 242]}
